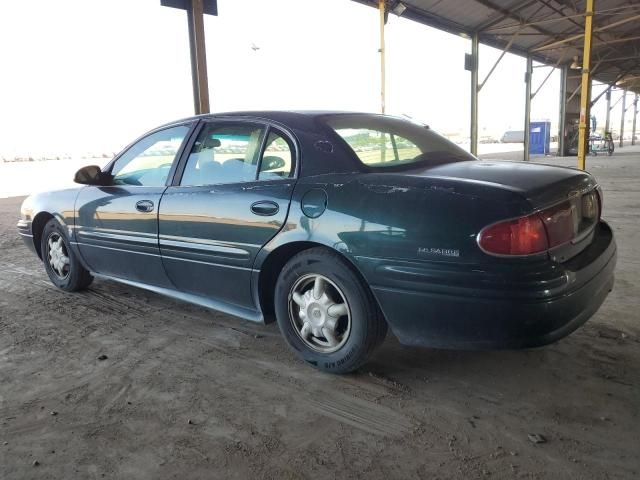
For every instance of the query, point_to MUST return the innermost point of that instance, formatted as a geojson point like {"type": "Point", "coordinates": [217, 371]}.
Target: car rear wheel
{"type": "Point", "coordinates": [326, 313]}
{"type": "Point", "coordinates": [63, 267]}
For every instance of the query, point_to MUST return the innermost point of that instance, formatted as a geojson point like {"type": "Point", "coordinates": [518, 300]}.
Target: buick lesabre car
{"type": "Point", "coordinates": [339, 226]}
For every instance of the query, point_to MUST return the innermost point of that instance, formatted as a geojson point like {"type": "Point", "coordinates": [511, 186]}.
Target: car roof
{"type": "Point", "coordinates": [288, 117]}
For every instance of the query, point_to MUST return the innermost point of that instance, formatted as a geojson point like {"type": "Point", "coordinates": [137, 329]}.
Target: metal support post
{"type": "Point", "coordinates": [585, 90]}
{"type": "Point", "coordinates": [473, 137]}
{"type": "Point", "coordinates": [381, 7]}
{"type": "Point", "coordinates": [199, 78]}
{"type": "Point", "coordinates": [563, 110]}
{"type": "Point", "coordinates": [635, 115]}
{"type": "Point", "coordinates": [624, 109]}
{"type": "Point", "coordinates": [527, 108]}
{"type": "Point", "coordinates": [607, 122]}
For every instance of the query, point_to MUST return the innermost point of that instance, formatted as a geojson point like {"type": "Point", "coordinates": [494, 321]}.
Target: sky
{"type": "Point", "coordinates": [83, 76]}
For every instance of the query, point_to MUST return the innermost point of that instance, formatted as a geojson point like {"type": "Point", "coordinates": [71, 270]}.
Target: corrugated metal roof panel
{"type": "Point", "coordinates": [536, 26]}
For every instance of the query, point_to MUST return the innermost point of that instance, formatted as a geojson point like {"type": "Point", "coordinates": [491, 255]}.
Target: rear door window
{"type": "Point", "coordinates": [224, 153]}
{"type": "Point", "coordinates": [277, 159]}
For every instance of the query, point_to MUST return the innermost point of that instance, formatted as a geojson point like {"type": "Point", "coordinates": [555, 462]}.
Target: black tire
{"type": "Point", "coordinates": [73, 276]}
{"type": "Point", "coordinates": [367, 327]}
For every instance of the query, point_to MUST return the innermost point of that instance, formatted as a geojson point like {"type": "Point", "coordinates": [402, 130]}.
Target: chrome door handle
{"type": "Point", "coordinates": [144, 206]}
{"type": "Point", "coordinates": [265, 208]}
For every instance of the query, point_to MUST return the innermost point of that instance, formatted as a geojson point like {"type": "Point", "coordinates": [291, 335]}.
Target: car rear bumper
{"type": "Point", "coordinates": [24, 230]}
{"type": "Point", "coordinates": [497, 309]}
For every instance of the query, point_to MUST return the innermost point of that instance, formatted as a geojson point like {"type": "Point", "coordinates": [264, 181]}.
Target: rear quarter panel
{"type": "Point", "coordinates": [399, 216]}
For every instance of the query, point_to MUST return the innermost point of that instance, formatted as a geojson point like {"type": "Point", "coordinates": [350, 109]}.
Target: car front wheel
{"type": "Point", "coordinates": [63, 267]}
{"type": "Point", "coordinates": [326, 313]}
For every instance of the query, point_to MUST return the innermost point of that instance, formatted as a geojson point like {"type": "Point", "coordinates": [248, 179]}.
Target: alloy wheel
{"type": "Point", "coordinates": [319, 313]}
{"type": "Point", "coordinates": [58, 256]}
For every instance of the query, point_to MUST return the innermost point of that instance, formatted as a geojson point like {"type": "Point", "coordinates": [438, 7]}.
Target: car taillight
{"type": "Point", "coordinates": [560, 223]}
{"type": "Point", "coordinates": [600, 195]}
{"type": "Point", "coordinates": [522, 236]}
{"type": "Point", "coordinates": [545, 229]}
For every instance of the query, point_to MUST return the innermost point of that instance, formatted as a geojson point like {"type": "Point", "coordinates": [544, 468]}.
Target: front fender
{"type": "Point", "coordinates": [37, 209]}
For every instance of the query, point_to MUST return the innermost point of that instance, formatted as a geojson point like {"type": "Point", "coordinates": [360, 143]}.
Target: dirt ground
{"type": "Point", "coordinates": [190, 393]}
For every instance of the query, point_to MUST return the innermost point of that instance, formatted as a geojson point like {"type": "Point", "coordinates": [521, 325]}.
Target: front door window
{"type": "Point", "coordinates": [147, 163]}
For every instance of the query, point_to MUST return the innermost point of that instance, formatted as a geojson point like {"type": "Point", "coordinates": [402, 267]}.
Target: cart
{"type": "Point", "coordinates": [601, 144]}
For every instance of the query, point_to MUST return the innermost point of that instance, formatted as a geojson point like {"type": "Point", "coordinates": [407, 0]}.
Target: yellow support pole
{"type": "Point", "coordinates": [381, 7]}
{"type": "Point", "coordinates": [585, 91]}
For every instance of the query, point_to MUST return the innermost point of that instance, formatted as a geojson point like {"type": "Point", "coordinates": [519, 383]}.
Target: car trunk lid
{"type": "Point", "coordinates": [555, 192]}
{"type": "Point", "coordinates": [541, 185]}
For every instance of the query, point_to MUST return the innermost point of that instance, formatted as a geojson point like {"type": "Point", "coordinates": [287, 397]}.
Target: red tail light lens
{"type": "Point", "coordinates": [522, 236]}
{"type": "Point", "coordinates": [560, 223]}
{"type": "Point", "coordinates": [546, 229]}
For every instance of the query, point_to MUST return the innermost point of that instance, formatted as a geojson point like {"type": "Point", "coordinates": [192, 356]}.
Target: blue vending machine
{"type": "Point", "coordinates": [539, 138]}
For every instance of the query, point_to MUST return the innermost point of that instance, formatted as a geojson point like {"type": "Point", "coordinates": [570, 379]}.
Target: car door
{"type": "Point", "coordinates": [230, 197]}
{"type": "Point", "coordinates": [117, 224]}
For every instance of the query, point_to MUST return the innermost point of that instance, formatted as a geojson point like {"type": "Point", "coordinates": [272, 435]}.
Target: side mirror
{"type": "Point", "coordinates": [271, 163]}
{"type": "Point", "coordinates": [91, 175]}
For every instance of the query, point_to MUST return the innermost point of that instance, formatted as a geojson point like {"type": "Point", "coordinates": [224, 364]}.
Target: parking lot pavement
{"type": "Point", "coordinates": [188, 393]}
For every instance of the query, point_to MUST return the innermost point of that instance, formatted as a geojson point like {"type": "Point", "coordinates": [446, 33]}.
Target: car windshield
{"type": "Point", "coordinates": [394, 143]}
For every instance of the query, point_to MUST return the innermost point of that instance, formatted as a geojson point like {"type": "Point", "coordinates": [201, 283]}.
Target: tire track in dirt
{"type": "Point", "coordinates": [362, 414]}
{"type": "Point", "coordinates": [225, 340]}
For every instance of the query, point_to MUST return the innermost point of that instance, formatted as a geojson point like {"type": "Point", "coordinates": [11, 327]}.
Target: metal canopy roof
{"type": "Point", "coordinates": [550, 30]}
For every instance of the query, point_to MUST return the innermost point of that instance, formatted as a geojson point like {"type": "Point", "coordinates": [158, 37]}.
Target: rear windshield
{"type": "Point", "coordinates": [394, 143]}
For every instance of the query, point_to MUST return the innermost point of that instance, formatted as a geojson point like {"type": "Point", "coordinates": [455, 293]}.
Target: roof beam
{"type": "Point", "coordinates": [621, 40]}
{"type": "Point", "coordinates": [578, 36]}
{"type": "Point", "coordinates": [426, 18]}
{"type": "Point", "coordinates": [543, 20]}
{"type": "Point", "coordinates": [509, 13]}
{"type": "Point", "coordinates": [560, 11]}
{"type": "Point", "coordinates": [543, 82]}
{"type": "Point", "coordinates": [619, 59]}
{"type": "Point", "coordinates": [613, 84]}
{"type": "Point", "coordinates": [592, 72]}
{"type": "Point", "coordinates": [497, 19]}
{"type": "Point", "coordinates": [494, 37]}
{"type": "Point", "coordinates": [504, 52]}
{"type": "Point", "coordinates": [535, 22]}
